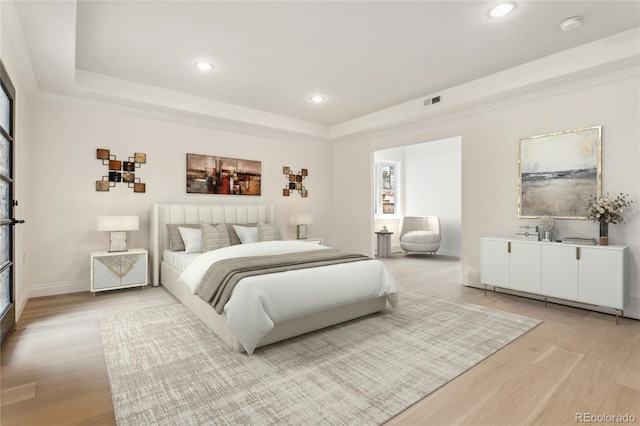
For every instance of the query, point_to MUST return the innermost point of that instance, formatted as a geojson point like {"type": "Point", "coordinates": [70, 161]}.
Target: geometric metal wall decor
{"type": "Point", "coordinates": [294, 182]}
{"type": "Point", "coordinates": [120, 171]}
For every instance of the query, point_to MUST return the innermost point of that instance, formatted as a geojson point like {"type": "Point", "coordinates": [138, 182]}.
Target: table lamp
{"type": "Point", "coordinates": [302, 220]}
{"type": "Point", "coordinates": [118, 226]}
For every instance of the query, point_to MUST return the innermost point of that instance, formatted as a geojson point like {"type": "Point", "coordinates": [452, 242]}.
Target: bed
{"type": "Point", "coordinates": [365, 286]}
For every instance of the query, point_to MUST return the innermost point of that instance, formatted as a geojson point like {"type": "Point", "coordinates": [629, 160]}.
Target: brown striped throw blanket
{"type": "Point", "coordinates": [222, 276]}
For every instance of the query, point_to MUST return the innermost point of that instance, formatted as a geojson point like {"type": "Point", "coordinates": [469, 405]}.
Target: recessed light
{"type": "Point", "coordinates": [204, 66]}
{"type": "Point", "coordinates": [503, 9]}
{"type": "Point", "coordinates": [318, 99]}
{"type": "Point", "coordinates": [571, 24]}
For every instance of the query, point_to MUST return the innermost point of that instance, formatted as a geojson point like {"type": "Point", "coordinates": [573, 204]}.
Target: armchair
{"type": "Point", "coordinates": [420, 234]}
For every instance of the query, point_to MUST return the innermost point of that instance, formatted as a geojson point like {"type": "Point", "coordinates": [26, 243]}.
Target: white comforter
{"type": "Point", "coordinates": [259, 302]}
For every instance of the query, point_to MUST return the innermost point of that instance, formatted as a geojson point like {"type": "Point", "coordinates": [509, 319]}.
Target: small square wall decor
{"type": "Point", "coordinates": [120, 171]}
{"type": "Point", "coordinates": [294, 181]}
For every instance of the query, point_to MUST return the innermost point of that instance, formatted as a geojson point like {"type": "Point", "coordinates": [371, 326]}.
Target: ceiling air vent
{"type": "Point", "coordinates": [431, 101]}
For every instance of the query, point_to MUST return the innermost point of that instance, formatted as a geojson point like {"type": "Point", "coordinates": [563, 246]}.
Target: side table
{"type": "Point", "coordinates": [384, 243]}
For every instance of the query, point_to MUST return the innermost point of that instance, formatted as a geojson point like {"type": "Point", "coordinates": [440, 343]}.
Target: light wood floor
{"type": "Point", "coordinates": [53, 368]}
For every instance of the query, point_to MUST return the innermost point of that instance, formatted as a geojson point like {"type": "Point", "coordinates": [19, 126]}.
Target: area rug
{"type": "Point", "coordinates": [166, 368]}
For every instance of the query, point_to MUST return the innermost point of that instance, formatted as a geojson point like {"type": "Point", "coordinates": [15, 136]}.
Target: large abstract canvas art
{"type": "Point", "coordinates": [207, 174]}
{"type": "Point", "coordinates": [558, 172]}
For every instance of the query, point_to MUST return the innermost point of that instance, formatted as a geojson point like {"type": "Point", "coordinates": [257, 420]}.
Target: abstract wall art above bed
{"type": "Point", "coordinates": [208, 174]}
{"type": "Point", "coordinates": [294, 182]}
{"type": "Point", "coordinates": [120, 171]}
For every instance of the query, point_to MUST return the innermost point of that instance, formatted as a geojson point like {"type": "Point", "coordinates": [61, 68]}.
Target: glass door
{"type": "Point", "coordinates": [7, 108]}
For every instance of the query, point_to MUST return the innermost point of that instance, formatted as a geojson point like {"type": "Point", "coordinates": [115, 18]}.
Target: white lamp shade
{"type": "Point", "coordinates": [117, 223]}
{"type": "Point", "coordinates": [302, 219]}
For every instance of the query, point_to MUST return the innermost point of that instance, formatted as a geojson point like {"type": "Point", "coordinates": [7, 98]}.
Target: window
{"type": "Point", "coordinates": [387, 189]}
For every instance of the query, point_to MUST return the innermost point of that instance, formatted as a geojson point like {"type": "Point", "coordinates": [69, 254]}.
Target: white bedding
{"type": "Point", "coordinates": [257, 302]}
{"type": "Point", "coordinates": [179, 259]}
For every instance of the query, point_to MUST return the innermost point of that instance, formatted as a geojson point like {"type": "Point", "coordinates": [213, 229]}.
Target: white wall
{"type": "Point", "coordinates": [432, 177]}
{"type": "Point", "coordinates": [64, 202]}
{"type": "Point", "coordinates": [489, 164]}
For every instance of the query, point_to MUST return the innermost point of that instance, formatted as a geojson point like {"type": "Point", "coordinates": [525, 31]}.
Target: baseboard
{"type": "Point", "coordinates": [20, 304]}
{"type": "Point", "coordinates": [51, 289]}
{"type": "Point", "coordinates": [471, 279]}
{"type": "Point", "coordinates": [448, 252]}
{"type": "Point", "coordinates": [629, 312]}
{"type": "Point", "coordinates": [632, 310]}
{"type": "Point", "coordinates": [441, 251]}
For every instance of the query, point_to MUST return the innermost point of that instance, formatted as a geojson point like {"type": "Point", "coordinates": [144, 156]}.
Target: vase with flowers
{"type": "Point", "coordinates": [546, 225]}
{"type": "Point", "coordinates": [606, 210]}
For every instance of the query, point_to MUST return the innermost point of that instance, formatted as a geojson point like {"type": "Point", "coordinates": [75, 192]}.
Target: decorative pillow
{"type": "Point", "coordinates": [192, 239]}
{"type": "Point", "coordinates": [214, 236]}
{"type": "Point", "coordinates": [233, 236]}
{"type": "Point", "coordinates": [175, 239]}
{"type": "Point", "coordinates": [268, 232]}
{"type": "Point", "coordinates": [246, 234]}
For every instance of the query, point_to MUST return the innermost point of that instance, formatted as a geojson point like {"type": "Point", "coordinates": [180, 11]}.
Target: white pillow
{"type": "Point", "coordinates": [247, 234]}
{"type": "Point", "coordinates": [192, 238]}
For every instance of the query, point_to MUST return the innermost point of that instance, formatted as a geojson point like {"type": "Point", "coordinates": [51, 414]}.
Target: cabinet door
{"type": "Point", "coordinates": [559, 272]}
{"type": "Point", "coordinates": [134, 269]}
{"type": "Point", "coordinates": [601, 280]}
{"type": "Point", "coordinates": [494, 263]}
{"type": "Point", "coordinates": [106, 272]}
{"type": "Point", "coordinates": [524, 267]}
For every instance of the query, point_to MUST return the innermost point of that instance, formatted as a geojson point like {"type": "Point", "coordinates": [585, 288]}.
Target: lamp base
{"type": "Point", "coordinates": [117, 241]}
{"type": "Point", "coordinates": [302, 232]}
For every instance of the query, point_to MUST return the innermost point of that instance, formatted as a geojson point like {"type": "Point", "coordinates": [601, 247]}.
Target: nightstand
{"type": "Point", "coordinates": [113, 270]}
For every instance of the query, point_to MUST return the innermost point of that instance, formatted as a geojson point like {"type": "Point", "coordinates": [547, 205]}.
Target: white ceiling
{"type": "Point", "coordinates": [363, 56]}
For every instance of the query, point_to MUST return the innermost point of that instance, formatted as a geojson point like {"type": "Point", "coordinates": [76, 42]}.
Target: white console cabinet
{"type": "Point", "coordinates": [594, 275]}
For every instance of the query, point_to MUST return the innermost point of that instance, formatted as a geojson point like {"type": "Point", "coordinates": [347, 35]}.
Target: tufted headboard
{"type": "Point", "coordinates": [162, 214]}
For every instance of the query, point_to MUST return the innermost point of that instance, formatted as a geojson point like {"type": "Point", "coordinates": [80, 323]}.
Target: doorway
{"type": "Point", "coordinates": [7, 267]}
{"type": "Point", "coordinates": [430, 180]}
